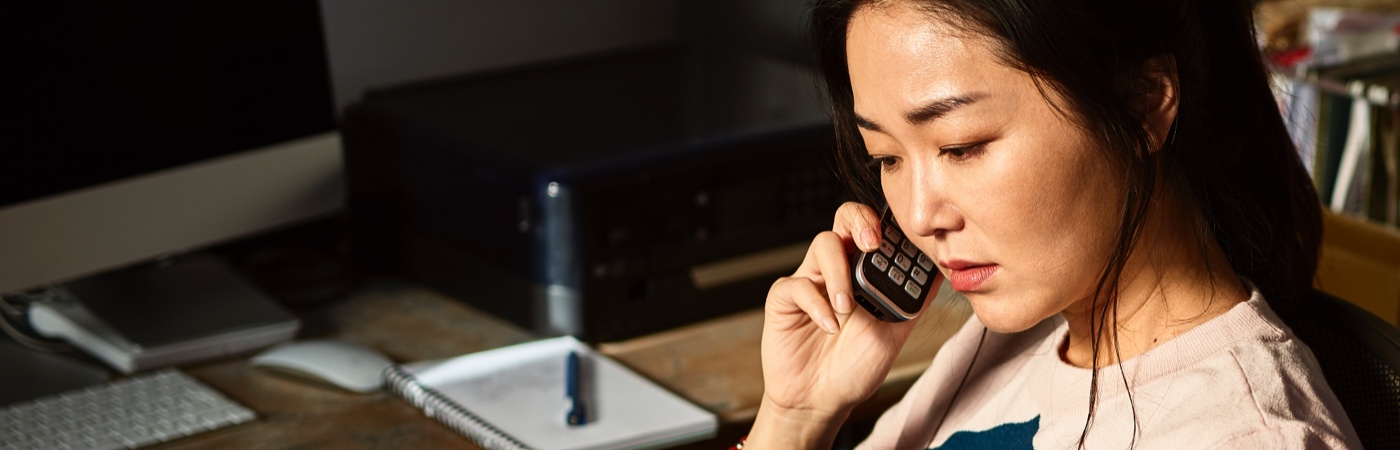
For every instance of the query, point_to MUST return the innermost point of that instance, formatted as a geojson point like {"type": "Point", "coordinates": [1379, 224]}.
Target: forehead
{"type": "Point", "coordinates": [895, 50]}
{"type": "Point", "coordinates": [901, 29]}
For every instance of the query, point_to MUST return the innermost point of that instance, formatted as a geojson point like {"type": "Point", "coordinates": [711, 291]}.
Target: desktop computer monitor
{"type": "Point", "coordinates": [145, 128]}
{"type": "Point", "coordinates": [142, 129]}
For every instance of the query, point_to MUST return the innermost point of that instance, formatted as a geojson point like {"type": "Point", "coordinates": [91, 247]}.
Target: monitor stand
{"type": "Point", "coordinates": [160, 315]}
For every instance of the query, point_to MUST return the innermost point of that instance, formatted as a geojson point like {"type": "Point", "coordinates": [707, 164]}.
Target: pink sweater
{"type": "Point", "coordinates": [1241, 380]}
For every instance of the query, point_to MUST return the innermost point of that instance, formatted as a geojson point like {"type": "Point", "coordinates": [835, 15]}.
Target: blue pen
{"type": "Point", "coordinates": [578, 410]}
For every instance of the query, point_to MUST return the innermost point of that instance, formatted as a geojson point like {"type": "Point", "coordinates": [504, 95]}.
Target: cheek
{"type": "Point", "coordinates": [1047, 216]}
{"type": "Point", "coordinates": [1048, 209]}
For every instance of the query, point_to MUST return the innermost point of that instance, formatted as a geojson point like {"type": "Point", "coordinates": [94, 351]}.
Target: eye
{"type": "Point", "coordinates": [963, 152]}
{"type": "Point", "coordinates": [884, 163]}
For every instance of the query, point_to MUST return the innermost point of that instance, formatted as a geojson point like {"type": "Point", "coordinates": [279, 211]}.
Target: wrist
{"type": "Point", "coordinates": [779, 426]}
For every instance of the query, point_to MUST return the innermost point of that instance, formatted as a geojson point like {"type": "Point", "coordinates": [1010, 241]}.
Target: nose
{"type": "Point", "coordinates": [929, 207]}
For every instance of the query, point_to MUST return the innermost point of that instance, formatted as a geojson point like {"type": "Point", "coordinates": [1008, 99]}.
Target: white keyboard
{"type": "Point", "coordinates": [134, 412]}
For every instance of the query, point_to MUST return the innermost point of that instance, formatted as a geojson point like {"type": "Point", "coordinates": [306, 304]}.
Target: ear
{"type": "Point", "coordinates": [1157, 97]}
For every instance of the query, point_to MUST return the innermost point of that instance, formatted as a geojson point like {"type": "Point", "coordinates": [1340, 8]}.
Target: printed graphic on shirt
{"type": "Point", "coordinates": [1007, 436]}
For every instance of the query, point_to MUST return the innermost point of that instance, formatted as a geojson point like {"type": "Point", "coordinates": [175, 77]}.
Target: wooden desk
{"type": "Point", "coordinates": [714, 364]}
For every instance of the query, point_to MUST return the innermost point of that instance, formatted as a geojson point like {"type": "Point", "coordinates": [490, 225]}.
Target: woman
{"type": "Point", "coordinates": [1108, 183]}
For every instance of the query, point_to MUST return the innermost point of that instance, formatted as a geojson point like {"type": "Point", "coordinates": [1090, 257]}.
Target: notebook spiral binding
{"type": "Point", "coordinates": [439, 408]}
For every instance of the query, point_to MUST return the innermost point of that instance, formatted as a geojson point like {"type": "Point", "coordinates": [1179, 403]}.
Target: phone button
{"type": "Point", "coordinates": [913, 290]}
{"type": "Point", "coordinates": [924, 262]}
{"type": "Point", "coordinates": [902, 261]}
{"type": "Point", "coordinates": [909, 248]}
{"type": "Point", "coordinates": [897, 276]}
{"type": "Point", "coordinates": [919, 276]}
{"type": "Point", "coordinates": [893, 234]}
{"type": "Point", "coordinates": [880, 262]}
{"type": "Point", "coordinates": [886, 248]}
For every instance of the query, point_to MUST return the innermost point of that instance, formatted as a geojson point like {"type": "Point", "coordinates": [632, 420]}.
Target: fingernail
{"type": "Point", "coordinates": [843, 303]}
{"type": "Point", "coordinates": [868, 236]}
{"type": "Point", "coordinates": [829, 326]}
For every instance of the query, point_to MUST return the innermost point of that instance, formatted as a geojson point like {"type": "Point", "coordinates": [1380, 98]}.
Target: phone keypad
{"type": "Point", "coordinates": [896, 276]}
{"type": "Point", "coordinates": [893, 234]}
{"type": "Point", "coordinates": [913, 290]}
{"type": "Point", "coordinates": [902, 261]}
{"type": "Point", "coordinates": [924, 262]}
{"type": "Point", "coordinates": [918, 275]}
{"type": "Point", "coordinates": [880, 262]}
{"type": "Point", "coordinates": [909, 248]}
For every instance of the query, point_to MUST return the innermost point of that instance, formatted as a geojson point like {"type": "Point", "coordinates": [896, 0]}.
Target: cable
{"type": "Point", "coordinates": [9, 309]}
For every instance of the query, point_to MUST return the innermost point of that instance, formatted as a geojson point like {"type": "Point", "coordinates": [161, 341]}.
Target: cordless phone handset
{"type": "Point", "coordinates": [893, 282]}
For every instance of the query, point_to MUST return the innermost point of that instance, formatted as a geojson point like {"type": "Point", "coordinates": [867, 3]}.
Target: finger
{"type": "Point", "coordinates": [828, 250]}
{"type": "Point", "coordinates": [860, 223]}
{"type": "Point", "coordinates": [791, 295]}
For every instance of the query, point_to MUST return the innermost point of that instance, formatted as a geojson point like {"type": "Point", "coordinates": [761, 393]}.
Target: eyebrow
{"type": "Point", "coordinates": [929, 111]}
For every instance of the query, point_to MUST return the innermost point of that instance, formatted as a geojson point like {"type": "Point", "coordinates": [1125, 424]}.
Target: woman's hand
{"type": "Point", "coordinates": [820, 356]}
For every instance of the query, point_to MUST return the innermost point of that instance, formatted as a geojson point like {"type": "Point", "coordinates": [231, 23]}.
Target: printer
{"type": "Point", "coordinates": [603, 197]}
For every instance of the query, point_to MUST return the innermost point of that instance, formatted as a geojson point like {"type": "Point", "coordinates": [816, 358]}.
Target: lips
{"type": "Point", "coordinates": [969, 276]}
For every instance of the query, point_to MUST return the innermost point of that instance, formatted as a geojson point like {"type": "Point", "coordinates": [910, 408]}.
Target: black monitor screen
{"type": "Point", "coordinates": [112, 89]}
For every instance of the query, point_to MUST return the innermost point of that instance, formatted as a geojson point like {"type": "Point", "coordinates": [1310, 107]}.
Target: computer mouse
{"type": "Point", "coordinates": [350, 366]}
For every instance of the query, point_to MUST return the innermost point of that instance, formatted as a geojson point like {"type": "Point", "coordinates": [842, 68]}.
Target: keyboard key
{"type": "Point", "coordinates": [902, 261]}
{"type": "Point", "coordinates": [880, 262]}
{"type": "Point", "coordinates": [240, 415]}
{"type": "Point", "coordinates": [165, 432]}
{"type": "Point", "coordinates": [919, 276]}
{"type": "Point", "coordinates": [924, 262]}
{"type": "Point", "coordinates": [886, 248]}
{"type": "Point", "coordinates": [913, 290]}
{"type": "Point", "coordinates": [214, 423]}
{"type": "Point", "coordinates": [101, 443]}
{"type": "Point", "coordinates": [896, 276]}
{"type": "Point", "coordinates": [139, 440]}
{"type": "Point", "coordinates": [909, 248]}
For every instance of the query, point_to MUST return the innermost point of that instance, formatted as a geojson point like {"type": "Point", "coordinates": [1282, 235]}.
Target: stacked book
{"type": "Point", "coordinates": [1338, 86]}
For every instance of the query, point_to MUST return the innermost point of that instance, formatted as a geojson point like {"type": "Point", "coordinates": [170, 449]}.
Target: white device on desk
{"type": "Point", "coordinates": [347, 365]}
{"type": "Point", "coordinates": [139, 319]}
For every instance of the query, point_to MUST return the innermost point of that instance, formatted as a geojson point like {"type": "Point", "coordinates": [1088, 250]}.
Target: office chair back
{"type": "Point", "coordinates": [1360, 262]}
{"type": "Point", "coordinates": [1360, 356]}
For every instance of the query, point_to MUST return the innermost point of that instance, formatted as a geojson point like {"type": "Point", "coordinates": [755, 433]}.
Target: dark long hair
{"type": "Point", "coordinates": [1229, 156]}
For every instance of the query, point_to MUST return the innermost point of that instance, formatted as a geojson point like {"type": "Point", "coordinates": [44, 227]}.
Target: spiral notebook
{"type": "Point", "coordinates": [513, 398]}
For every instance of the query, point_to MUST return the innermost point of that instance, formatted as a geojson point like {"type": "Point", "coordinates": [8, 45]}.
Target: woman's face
{"type": "Point", "coordinates": [1015, 203]}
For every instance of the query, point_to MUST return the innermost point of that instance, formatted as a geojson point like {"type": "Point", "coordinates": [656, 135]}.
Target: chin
{"type": "Point", "coordinates": [1004, 315]}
